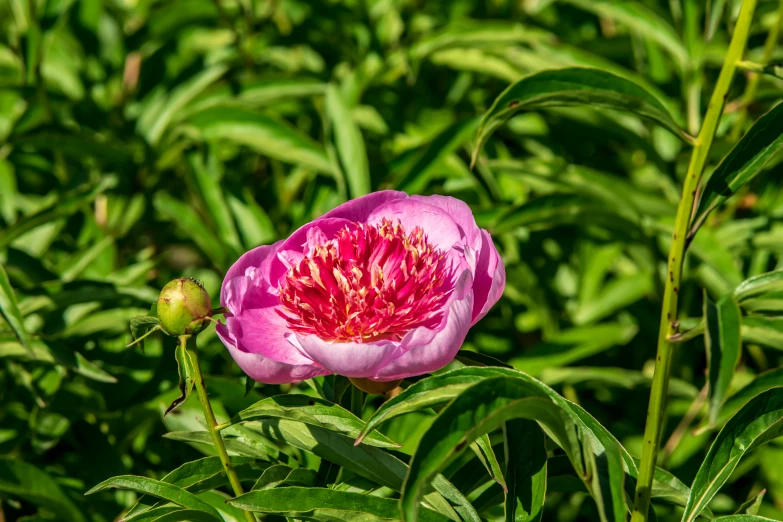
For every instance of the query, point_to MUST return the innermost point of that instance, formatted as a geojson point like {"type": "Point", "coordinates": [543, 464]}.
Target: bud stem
{"type": "Point", "coordinates": [209, 417]}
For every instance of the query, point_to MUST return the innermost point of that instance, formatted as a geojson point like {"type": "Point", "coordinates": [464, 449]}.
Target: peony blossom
{"type": "Point", "coordinates": [383, 287]}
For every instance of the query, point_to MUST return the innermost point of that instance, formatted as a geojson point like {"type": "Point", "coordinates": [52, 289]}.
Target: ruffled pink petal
{"type": "Point", "coordinates": [441, 230]}
{"type": "Point", "coordinates": [349, 359]}
{"type": "Point", "coordinates": [263, 369]}
{"type": "Point", "coordinates": [489, 278]}
{"type": "Point", "coordinates": [431, 349]}
{"type": "Point", "coordinates": [359, 209]}
{"type": "Point", "coordinates": [254, 264]}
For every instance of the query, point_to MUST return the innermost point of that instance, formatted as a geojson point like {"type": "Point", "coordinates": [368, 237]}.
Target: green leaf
{"type": "Point", "coordinates": [9, 309]}
{"type": "Point", "coordinates": [760, 284]}
{"type": "Point", "coordinates": [192, 227]}
{"type": "Point", "coordinates": [19, 479]}
{"type": "Point", "coordinates": [159, 489]}
{"type": "Point", "coordinates": [261, 133]}
{"type": "Point", "coordinates": [752, 505]}
{"type": "Point", "coordinates": [724, 345]}
{"type": "Point", "coordinates": [326, 505]}
{"type": "Point", "coordinates": [714, 13]}
{"type": "Point", "coordinates": [159, 112]}
{"type": "Point", "coordinates": [483, 450]}
{"type": "Point", "coordinates": [211, 191]}
{"type": "Point", "coordinates": [484, 407]}
{"type": "Point", "coordinates": [350, 143]}
{"type": "Point", "coordinates": [641, 20]}
{"type": "Point", "coordinates": [759, 421]}
{"type": "Point", "coordinates": [429, 392]}
{"type": "Point", "coordinates": [187, 373]}
{"type": "Point", "coordinates": [573, 86]}
{"type": "Point", "coordinates": [141, 326]}
{"type": "Point", "coordinates": [742, 518]}
{"type": "Point", "coordinates": [69, 203]}
{"type": "Point", "coordinates": [189, 515]}
{"type": "Point", "coordinates": [200, 475]}
{"type": "Point", "coordinates": [314, 411]}
{"type": "Point", "coordinates": [369, 462]}
{"type": "Point", "coordinates": [762, 382]}
{"type": "Point", "coordinates": [763, 330]}
{"type": "Point", "coordinates": [525, 471]}
{"type": "Point", "coordinates": [743, 163]}
{"type": "Point", "coordinates": [274, 476]}
{"type": "Point", "coordinates": [237, 445]}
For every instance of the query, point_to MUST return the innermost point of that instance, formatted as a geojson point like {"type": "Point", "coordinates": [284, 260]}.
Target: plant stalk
{"type": "Point", "coordinates": [668, 328]}
{"type": "Point", "coordinates": [209, 417]}
{"type": "Point", "coordinates": [753, 81]}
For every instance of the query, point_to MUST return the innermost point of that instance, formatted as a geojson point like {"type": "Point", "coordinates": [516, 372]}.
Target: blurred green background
{"type": "Point", "coordinates": [143, 140]}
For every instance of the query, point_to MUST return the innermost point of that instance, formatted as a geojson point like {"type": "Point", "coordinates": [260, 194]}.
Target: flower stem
{"type": "Point", "coordinates": [668, 328]}
{"type": "Point", "coordinates": [209, 417]}
{"type": "Point", "coordinates": [755, 77]}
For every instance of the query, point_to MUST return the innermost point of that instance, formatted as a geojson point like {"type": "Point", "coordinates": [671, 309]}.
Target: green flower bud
{"type": "Point", "coordinates": [184, 307]}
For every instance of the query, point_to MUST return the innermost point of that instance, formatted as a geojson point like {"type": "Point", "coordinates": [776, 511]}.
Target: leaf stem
{"type": "Point", "coordinates": [753, 81]}
{"type": "Point", "coordinates": [660, 384]}
{"type": "Point", "coordinates": [209, 417]}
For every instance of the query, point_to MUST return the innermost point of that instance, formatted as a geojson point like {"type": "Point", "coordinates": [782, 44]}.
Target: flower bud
{"type": "Point", "coordinates": [184, 307]}
{"type": "Point", "coordinates": [375, 387]}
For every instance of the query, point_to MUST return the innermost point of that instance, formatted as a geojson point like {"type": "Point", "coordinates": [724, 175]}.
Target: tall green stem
{"type": "Point", "coordinates": [660, 384]}
{"type": "Point", "coordinates": [753, 80]}
{"type": "Point", "coordinates": [209, 416]}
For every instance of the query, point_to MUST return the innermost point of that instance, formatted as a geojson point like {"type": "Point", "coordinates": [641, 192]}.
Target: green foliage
{"type": "Point", "coordinates": [143, 141]}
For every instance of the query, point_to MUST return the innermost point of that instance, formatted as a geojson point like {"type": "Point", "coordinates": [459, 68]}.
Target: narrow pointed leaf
{"type": "Point", "coordinates": [752, 505]}
{"type": "Point", "coordinates": [573, 86]}
{"type": "Point", "coordinates": [350, 143]}
{"type": "Point", "coordinates": [483, 450]}
{"type": "Point", "coordinates": [186, 378]}
{"type": "Point", "coordinates": [759, 285]}
{"type": "Point", "coordinates": [484, 407]}
{"type": "Point", "coordinates": [369, 462]}
{"type": "Point", "coordinates": [9, 310]}
{"type": "Point", "coordinates": [325, 505]}
{"type": "Point", "coordinates": [526, 464]}
{"type": "Point", "coordinates": [723, 344]}
{"type": "Point", "coordinates": [158, 489]}
{"type": "Point", "coordinates": [758, 422]}
{"type": "Point", "coordinates": [314, 411]}
{"type": "Point", "coordinates": [432, 391]}
{"type": "Point", "coordinates": [743, 163]}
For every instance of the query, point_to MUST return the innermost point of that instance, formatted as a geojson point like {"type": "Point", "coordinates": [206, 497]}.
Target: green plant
{"type": "Point", "coordinates": [145, 141]}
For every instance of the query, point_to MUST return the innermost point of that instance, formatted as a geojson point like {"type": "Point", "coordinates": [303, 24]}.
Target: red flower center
{"type": "Point", "coordinates": [369, 282]}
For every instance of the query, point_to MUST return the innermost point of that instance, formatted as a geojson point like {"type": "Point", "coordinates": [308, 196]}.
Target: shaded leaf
{"type": "Point", "coordinates": [759, 421]}
{"type": "Point", "coordinates": [187, 375]}
{"type": "Point", "coordinates": [724, 345]}
{"type": "Point", "coordinates": [350, 143]}
{"type": "Point", "coordinates": [525, 471]}
{"type": "Point", "coordinates": [743, 163]}
{"type": "Point", "coordinates": [159, 489]}
{"type": "Point", "coordinates": [573, 86]}
{"type": "Point", "coordinates": [9, 309]}
{"type": "Point", "coordinates": [314, 411]}
{"type": "Point", "coordinates": [326, 505]}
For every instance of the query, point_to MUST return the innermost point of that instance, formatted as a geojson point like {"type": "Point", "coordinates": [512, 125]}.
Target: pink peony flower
{"type": "Point", "coordinates": [383, 287]}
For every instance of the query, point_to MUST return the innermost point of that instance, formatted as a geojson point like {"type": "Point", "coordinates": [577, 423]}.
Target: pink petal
{"type": "Point", "coordinates": [461, 214]}
{"type": "Point", "coordinates": [359, 209]}
{"type": "Point", "coordinates": [429, 350]}
{"type": "Point", "coordinates": [441, 230]}
{"type": "Point", "coordinates": [349, 359]}
{"type": "Point", "coordinates": [254, 264]}
{"type": "Point", "coordinates": [266, 370]}
{"type": "Point", "coordinates": [489, 278]}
